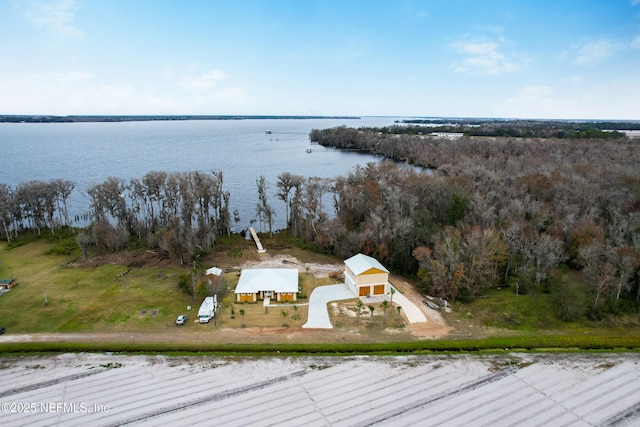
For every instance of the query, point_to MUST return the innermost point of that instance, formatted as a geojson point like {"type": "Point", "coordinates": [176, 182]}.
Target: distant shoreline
{"type": "Point", "coordinates": [134, 118]}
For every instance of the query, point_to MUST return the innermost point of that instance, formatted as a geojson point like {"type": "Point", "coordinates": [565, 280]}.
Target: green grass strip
{"type": "Point", "coordinates": [529, 343]}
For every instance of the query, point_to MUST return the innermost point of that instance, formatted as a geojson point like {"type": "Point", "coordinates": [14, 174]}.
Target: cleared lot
{"type": "Point", "coordinates": [103, 390]}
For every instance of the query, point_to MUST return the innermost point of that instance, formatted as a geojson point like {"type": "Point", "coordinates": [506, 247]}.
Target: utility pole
{"type": "Point", "coordinates": [515, 314]}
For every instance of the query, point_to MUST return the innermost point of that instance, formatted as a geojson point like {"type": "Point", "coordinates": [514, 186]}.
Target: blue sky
{"type": "Point", "coordinates": [571, 59]}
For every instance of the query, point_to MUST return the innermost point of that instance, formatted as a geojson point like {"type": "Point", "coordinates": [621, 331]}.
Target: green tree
{"type": "Point", "coordinates": [384, 305]}
{"type": "Point", "coordinates": [359, 306]}
{"type": "Point", "coordinates": [568, 300]}
{"type": "Point", "coordinates": [458, 208]}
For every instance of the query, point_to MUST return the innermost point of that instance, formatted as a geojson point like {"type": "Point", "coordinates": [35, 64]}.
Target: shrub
{"type": "Point", "coordinates": [184, 283]}
{"type": "Point", "coordinates": [465, 295]}
{"type": "Point", "coordinates": [64, 247]}
{"type": "Point", "coordinates": [568, 301]}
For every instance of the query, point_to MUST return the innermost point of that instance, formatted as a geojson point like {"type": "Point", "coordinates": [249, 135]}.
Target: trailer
{"type": "Point", "coordinates": [208, 309]}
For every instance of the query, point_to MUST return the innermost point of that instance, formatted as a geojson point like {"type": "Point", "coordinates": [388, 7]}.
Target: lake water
{"type": "Point", "coordinates": [88, 153]}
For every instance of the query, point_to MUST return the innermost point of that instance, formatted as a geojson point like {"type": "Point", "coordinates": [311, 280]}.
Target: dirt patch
{"type": "Point", "coordinates": [131, 259]}
{"type": "Point", "coordinates": [436, 327]}
{"type": "Point", "coordinates": [289, 261]}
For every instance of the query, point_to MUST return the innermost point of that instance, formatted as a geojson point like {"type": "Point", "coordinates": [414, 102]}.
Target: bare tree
{"type": "Point", "coordinates": [263, 208]}
{"type": "Point", "coordinates": [626, 261]}
{"type": "Point", "coordinates": [5, 209]}
{"type": "Point", "coordinates": [287, 182]}
{"type": "Point", "coordinates": [64, 188]}
{"type": "Point", "coordinates": [542, 252]}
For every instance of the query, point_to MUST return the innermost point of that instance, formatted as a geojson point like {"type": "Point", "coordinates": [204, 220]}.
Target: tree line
{"type": "Point", "coordinates": [517, 128]}
{"type": "Point", "coordinates": [488, 212]}
{"type": "Point", "coordinates": [493, 210]}
{"type": "Point", "coordinates": [514, 130]}
{"type": "Point", "coordinates": [34, 205]}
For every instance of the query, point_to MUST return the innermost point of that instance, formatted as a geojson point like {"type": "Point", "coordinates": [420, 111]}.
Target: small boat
{"type": "Point", "coordinates": [432, 305]}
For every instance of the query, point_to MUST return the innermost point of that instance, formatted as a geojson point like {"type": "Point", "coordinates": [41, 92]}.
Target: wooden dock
{"type": "Point", "coordinates": [261, 250]}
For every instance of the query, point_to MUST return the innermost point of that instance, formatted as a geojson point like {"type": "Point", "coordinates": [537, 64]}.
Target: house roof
{"type": "Point", "coordinates": [268, 279]}
{"type": "Point", "coordinates": [6, 281]}
{"type": "Point", "coordinates": [215, 271]}
{"type": "Point", "coordinates": [361, 263]}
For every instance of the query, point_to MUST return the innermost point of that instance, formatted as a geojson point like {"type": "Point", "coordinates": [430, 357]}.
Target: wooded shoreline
{"type": "Point", "coordinates": [142, 118]}
{"type": "Point", "coordinates": [495, 212]}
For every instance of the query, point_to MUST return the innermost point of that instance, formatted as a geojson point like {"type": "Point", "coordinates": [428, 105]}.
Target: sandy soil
{"type": "Point", "coordinates": [509, 389]}
{"type": "Point", "coordinates": [436, 326]}
{"type": "Point", "coordinates": [288, 261]}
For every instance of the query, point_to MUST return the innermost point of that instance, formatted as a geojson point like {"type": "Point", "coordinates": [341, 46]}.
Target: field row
{"type": "Point", "coordinates": [523, 390]}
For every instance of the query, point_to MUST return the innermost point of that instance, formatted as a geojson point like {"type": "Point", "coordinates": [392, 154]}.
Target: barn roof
{"type": "Point", "coordinates": [268, 279]}
{"type": "Point", "coordinates": [361, 263]}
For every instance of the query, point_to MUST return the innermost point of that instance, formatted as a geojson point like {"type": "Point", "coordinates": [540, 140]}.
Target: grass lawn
{"type": "Point", "coordinates": [116, 298]}
{"type": "Point", "coordinates": [85, 299]}
{"type": "Point", "coordinates": [496, 311]}
{"type": "Point", "coordinates": [256, 315]}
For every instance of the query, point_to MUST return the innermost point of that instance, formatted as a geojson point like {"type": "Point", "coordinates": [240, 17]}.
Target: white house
{"type": "Point", "coordinates": [280, 284]}
{"type": "Point", "coordinates": [366, 276]}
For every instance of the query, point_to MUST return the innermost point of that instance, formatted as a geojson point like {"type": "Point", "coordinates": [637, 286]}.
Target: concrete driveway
{"type": "Point", "coordinates": [322, 295]}
{"type": "Point", "coordinates": [413, 312]}
{"type": "Point", "coordinates": [318, 313]}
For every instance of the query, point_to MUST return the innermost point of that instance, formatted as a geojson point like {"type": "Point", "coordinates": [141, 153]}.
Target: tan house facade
{"type": "Point", "coordinates": [366, 276]}
{"type": "Point", "coordinates": [280, 284]}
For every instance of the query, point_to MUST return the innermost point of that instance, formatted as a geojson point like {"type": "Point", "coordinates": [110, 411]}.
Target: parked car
{"type": "Point", "coordinates": [181, 319]}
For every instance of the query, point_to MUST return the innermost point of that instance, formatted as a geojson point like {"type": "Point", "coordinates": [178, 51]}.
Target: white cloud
{"type": "Point", "coordinates": [491, 29]}
{"type": "Point", "coordinates": [209, 87]}
{"type": "Point", "coordinates": [203, 81]}
{"type": "Point", "coordinates": [594, 52]}
{"type": "Point", "coordinates": [484, 57]}
{"type": "Point", "coordinates": [575, 80]}
{"type": "Point", "coordinates": [77, 91]}
{"type": "Point", "coordinates": [55, 16]}
{"type": "Point", "coordinates": [635, 43]}
{"type": "Point", "coordinates": [540, 102]}
{"type": "Point", "coordinates": [532, 95]}
{"type": "Point", "coordinates": [21, 93]}
{"type": "Point", "coordinates": [581, 100]}
{"type": "Point", "coordinates": [232, 93]}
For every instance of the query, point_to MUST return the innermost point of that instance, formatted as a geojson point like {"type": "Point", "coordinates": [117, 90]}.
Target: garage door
{"type": "Point", "coordinates": [378, 290]}
{"type": "Point", "coordinates": [364, 291]}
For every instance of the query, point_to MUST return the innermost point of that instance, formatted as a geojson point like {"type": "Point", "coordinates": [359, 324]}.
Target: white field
{"type": "Point", "coordinates": [507, 390]}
